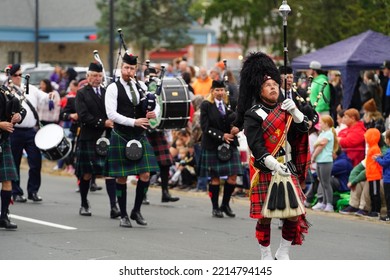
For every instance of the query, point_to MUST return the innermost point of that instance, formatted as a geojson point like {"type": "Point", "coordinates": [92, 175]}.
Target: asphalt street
{"type": "Point", "coordinates": [184, 230]}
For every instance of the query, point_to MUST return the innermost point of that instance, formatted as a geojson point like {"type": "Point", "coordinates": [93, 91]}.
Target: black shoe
{"type": "Point", "coordinates": [145, 201]}
{"type": "Point", "coordinates": [19, 198]}
{"type": "Point", "coordinates": [217, 213]}
{"type": "Point", "coordinates": [385, 218]}
{"type": "Point", "coordinates": [227, 210]}
{"type": "Point", "coordinates": [137, 217]}
{"type": "Point", "coordinates": [125, 222]}
{"type": "Point", "coordinates": [114, 213]}
{"type": "Point", "coordinates": [166, 197]}
{"type": "Point", "coordinates": [85, 211]}
{"type": "Point", "coordinates": [34, 197]}
{"type": "Point", "coordinates": [94, 187]}
{"type": "Point", "coordinates": [7, 224]}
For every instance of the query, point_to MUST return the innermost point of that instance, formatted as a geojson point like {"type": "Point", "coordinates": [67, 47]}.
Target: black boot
{"type": "Point", "coordinates": [166, 197]}
{"type": "Point", "coordinates": [5, 201]}
{"type": "Point", "coordinates": [7, 224]}
{"type": "Point", "coordinates": [214, 196]}
{"type": "Point", "coordinates": [227, 193]}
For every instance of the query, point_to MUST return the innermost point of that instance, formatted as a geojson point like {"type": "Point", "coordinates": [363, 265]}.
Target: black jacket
{"type": "Point", "coordinates": [91, 112]}
{"type": "Point", "coordinates": [214, 125]}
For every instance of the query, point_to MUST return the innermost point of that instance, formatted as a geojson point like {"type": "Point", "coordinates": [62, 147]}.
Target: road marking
{"type": "Point", "coordinates": [41, 222]}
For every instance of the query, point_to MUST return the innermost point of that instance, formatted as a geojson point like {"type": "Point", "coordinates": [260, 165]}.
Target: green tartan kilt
{"type": "Point", "coordinates": [117, 165]}
{"type": "Point", "coordinates": [7, 165]}
{"type": "Point", "coordinates": [211, 166]}
{"type": "Point", "coordinates": [88, 161]}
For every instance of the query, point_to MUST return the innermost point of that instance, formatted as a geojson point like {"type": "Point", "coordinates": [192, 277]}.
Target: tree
{"type": "Point", "coordinates": [148, 24]}
{"type": "Point", "coordinates": [311, 24]}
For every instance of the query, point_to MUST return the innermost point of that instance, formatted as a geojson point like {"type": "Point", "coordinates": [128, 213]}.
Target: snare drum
{"type": "Point", "coordinates": [174, 102]}
{"type": "Point", "coordinates": [52, 142]}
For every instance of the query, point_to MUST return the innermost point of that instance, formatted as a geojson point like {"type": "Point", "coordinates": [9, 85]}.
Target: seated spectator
{"type": "Point", "coordinates": [185, 169]}
{"type": "Point", "coordinates": [359, 201]}
{"type": "Point", "coordinates": [351, 139]}
{"type": "Point", "coordinates": [342, 167]}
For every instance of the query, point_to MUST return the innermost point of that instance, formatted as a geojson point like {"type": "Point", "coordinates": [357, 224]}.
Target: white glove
{"type": "Point", "coordinates": [289, 106]}
{"type": "Point", "coordinates": [272, 164]}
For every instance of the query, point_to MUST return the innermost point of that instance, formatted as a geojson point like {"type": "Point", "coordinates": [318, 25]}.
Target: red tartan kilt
{"type": "Point", "coordinates": [259, 192]}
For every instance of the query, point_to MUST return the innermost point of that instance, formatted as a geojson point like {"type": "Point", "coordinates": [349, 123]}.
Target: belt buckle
{"type": "Point", "coordinates": [281, 159]}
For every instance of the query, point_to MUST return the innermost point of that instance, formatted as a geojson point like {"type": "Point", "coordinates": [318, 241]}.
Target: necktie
{"type": "Point", "coordinates": [221, 111]}
{"type": "Point", "coordinates": [133, 95]}
{"type": "Point", "coordinates": [98, 92]}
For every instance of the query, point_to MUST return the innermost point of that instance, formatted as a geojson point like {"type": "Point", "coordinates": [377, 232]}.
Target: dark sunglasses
{"type": "Point", "coordinates": [17, 75]}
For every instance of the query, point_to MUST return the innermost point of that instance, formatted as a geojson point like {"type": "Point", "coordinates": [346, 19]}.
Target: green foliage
{"type": "Point", "coordinates": [148, 24]}
{"type": "Point", "coordinates": [314, 24]}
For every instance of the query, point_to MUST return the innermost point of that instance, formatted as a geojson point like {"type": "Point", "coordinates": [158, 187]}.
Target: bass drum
{"type": "Point", "coordinates": [52, 142]}
{"type": "Point", "coordinates": [174, 102]}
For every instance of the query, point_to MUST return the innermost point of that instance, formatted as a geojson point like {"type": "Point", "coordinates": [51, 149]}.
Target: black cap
{"type": "Point", "coordinates": [386, 64]}
{"type": "Point", "coordinates": [14, 68]}
{"type": "Point", "coordinates": [130, 59]}
{"type": "Point", "coordinates": [151, 71]}
{"type": "Point", "coordinates": [95, 66]}
{"type": "Point", "coordinates": [217, 84]}
{"type": "Point", "coordinates": [285, 69]}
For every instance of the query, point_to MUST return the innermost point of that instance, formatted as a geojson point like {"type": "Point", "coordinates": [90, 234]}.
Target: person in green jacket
{"type": "Point", "coordinates": [359, 201]}
{"type": "Point", "coordinates": [321, 104]}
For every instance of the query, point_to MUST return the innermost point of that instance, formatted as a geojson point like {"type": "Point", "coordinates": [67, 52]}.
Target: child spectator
{"type": "Point", "coordinates": [373, 170]}
{"type": "Point", "coordinates": [324, 148]}
{"type": "Point", "coordinates": [384, 161]}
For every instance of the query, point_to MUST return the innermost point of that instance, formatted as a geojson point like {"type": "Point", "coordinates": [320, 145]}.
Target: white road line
{"type": "Point", "coordinates": [41, 222]}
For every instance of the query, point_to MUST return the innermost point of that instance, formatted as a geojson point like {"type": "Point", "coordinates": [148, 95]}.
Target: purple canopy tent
{"type": "Point", "coordinates": [365, 51]}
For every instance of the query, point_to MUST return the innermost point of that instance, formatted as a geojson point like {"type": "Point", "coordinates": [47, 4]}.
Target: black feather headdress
{"type": "Point", "coordinates": [257, 68]}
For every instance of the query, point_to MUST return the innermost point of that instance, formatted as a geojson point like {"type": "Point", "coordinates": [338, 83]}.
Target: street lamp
{"type": "Point", "coordinates": [284, 10]}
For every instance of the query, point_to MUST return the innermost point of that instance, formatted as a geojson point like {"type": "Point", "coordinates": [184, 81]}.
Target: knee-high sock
{"type": "Point", "coordinates": [227, 193]}
{"type": "Point", "coordinates": [139, 194]}
{"type": "Point", "coordinates": [263, 234]}
{"type": "Point", "coordinates": [121, 194]}
{"type": "Point", "coordinates": [289, 229]}
{"type": "Point", "coordinates": [84, 188]}
{"type": "Point", "coordinates": [111, 191]}
{"type": "Point", "coordinates": [5, 201]}
{"type": "Point", "coordinates": [214, 195]}
{"type": "Point", "coordinates": [164, 175]}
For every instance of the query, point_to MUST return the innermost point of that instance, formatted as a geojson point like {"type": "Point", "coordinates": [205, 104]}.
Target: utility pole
{"type": "Point", "coordinates": [36, 43]}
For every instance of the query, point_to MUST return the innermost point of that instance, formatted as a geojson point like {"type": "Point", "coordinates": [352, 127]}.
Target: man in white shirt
{"type": "Point", "coordinates": [23, 137]}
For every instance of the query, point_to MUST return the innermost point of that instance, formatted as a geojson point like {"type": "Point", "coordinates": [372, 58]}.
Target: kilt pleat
{"type": "Point", "coordinates": [211, 166]}
{"type": "Point", "coordinates": [160, 147]}
{"type": "Point", "coordinates": [117, 165]}
{"type": "Point", "coordinates": [88, 161]}
{"type": "Point", "coordinates": [7, 164]}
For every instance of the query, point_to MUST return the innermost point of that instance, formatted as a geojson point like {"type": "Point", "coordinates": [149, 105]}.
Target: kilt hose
{"type": "Point", "coordinates": [160, 147]}
{"type": "Point", "coordinates": [88, 161]}
{"type": "Point", "coordinates": [211, 166]}
{"type": "Point", "coordinates": [117, 165]}
{"type": "Point", "coordinates": [8, 170]}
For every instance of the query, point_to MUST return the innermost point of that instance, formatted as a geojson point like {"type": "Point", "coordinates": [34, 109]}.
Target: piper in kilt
{"type": "Point", "coordinates": [8, 170]}
{"type": "Point", "coordinates": [215, 121]}
{"type": "Point", "coordinates": [265, 122]}
{"type": "Point", "coordinates": [94, 123]}
{"type": "Point", "coordinates": [124, 107]}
